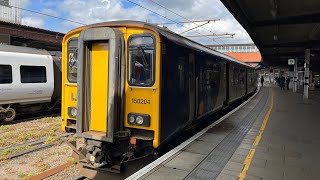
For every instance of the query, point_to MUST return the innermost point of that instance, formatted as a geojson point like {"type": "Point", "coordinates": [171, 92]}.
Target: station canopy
{"type": "Point", "coordinates": [281, 29]}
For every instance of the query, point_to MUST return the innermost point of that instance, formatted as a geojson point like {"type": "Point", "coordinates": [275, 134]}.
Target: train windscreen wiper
{"type": "Point", "coordinates": [143, 56]}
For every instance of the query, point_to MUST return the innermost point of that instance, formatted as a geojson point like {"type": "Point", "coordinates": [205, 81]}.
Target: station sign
{"type": "Point", "coordinates": [290, 61]}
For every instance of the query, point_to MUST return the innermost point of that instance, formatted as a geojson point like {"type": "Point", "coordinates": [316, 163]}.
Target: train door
{"type": "Point", "coordinates": [99, 82]}
{"type": "Point", "coordinates": [99, 86]}
{"type": "Point", "coordinates": [246, 80]}
{"type": "Point", "coordinates": [227, 83]}
{"type": "Point", "coordinates": [192, 91]}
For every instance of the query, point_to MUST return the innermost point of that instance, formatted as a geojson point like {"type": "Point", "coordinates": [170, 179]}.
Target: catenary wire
{"type": "Point", "coordinates": [64, 19]}
{"type": "Point", "coordinates": [181, 16]}
{"type": "Point", "coordinates": [163, 16]}
{"type": "Point", "coordinates": [48, 15]}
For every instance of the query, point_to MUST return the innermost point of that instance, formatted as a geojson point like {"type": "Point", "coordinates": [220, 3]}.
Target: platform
{"type": "Point", "coordinates": [273, 136]}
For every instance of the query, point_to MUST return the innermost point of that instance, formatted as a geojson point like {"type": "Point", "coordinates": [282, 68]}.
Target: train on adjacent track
{"type": "Point", "coordinates": [131, 86]}
{"type": "Point", "coordinates": [30, 81]}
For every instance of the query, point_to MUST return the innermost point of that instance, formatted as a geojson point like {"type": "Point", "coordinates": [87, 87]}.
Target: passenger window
{"type": "Point", "coordinates": [141, 60]}
{"type": "Point", "coordinates": [72, 60]}
{"type": "Point", "coordinates": [5, 74]}
{"type": "Point", "coordinates": [33, 74]}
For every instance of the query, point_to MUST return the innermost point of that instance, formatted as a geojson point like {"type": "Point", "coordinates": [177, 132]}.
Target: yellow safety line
{"type": "Point", "coordinates": [250, 155]}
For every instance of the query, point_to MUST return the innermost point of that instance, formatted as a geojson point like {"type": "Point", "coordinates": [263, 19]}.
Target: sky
{"type": "Point", "coordinates": [94, 11]}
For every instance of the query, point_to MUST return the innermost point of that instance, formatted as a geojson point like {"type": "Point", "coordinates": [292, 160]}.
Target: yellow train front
{"type": "Point", "coordinates": [138, 84]}
{"type": "Point", "coordinates": [118, 96]}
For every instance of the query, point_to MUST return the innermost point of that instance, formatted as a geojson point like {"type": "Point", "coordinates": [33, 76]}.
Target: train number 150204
{"type": "Point", "coordinates": [140, 101]}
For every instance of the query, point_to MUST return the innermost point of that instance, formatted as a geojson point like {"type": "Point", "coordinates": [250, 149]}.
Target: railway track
{"type": "Point", "coordinates": [34, 145]}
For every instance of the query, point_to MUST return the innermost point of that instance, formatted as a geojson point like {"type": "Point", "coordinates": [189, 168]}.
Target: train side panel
{"type": "Point", "coordinates": [211, 76]}
{"type": "Point", "coordinates": [174, 85]}
{"type": "Point", "coordinates": [243, 81]}
{"type": "Point", "coordinates": [237, 82]}
{"type": "Point", "coordinates": [32, 78]}
{"type": "Point", "coordinates": [251, 80]}
{"type": "Point", "coordinates": [193, 85]}
{"type": "Point", "coordinates": [233, 82]}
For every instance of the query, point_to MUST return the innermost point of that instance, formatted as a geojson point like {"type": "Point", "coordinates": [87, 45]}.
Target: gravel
{"type": "Point", "coordinates": [34, 163]}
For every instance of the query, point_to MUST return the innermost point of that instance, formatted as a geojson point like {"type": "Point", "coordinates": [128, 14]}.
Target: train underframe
{"type": "Point", "coordinates": [117, 159]}
{"type": "Point", "coordinates": [9, 112]}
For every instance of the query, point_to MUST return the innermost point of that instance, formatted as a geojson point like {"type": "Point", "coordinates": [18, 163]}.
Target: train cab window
{"type": "Point", "coordinates": [33, 74]}
{"type": "Point", "coordinates": [72, 60]}
{"type": "Point", "coordinates": [141, 60]}
{"type": "Point", "coordinates": [5, 74]}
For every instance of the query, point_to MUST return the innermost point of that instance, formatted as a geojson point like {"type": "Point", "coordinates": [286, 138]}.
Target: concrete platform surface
{"type": "Point", "coordinates": [289, 147]}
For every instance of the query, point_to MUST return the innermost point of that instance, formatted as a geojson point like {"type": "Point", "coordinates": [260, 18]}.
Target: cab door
{"type": "Point", "coordinates": [100, 83]}
{"type": "Point", "coordinates": [99, 52]}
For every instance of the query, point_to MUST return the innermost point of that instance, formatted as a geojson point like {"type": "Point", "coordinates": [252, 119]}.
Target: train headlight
{"type": "Point", "coordinates": [139, 119]}
{"type": "Point", "coordinates": [92, 158]}
{"type": "Point", "coordinates": [132, 119]}
{"type": "Point", "coordinates": [72, 111]}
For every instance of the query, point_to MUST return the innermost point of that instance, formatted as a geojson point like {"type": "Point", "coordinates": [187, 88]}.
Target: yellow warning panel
{"type": "Point", "coordinates": [99, 87]}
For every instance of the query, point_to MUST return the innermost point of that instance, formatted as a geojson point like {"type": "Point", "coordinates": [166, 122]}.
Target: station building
{"type": "Point", "coordinates": [12, 32]}
{"type": "Point", "coordinates": [9, 13]}
{"type": "Point", "coordinates": [248, 53]}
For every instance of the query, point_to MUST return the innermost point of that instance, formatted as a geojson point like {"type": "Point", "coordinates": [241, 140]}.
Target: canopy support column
{"type": "Point", "coordinates": [306, 74]}
{"type": "Point", "coordinates": [295, 75]}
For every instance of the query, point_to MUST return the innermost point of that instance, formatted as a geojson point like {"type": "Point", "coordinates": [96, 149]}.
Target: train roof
{"type": "Point", "coordinates": [169, 35]}
{"type": "Point", "coordinates": [20, 49]}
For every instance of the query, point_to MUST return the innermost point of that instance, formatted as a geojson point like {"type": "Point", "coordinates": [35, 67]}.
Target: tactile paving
{"type": "Point", "coordinates": [213, 164]}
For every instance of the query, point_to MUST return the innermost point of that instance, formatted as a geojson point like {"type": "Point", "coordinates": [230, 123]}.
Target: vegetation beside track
{"type": "Point", "coordinates": [26, 131]}
{"type": "Point", "coordinates": [23, 137]}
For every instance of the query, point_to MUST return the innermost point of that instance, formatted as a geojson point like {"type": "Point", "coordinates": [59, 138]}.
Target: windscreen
{"type": "Point", "coordinates": [72, 60]}
{"type": "Point", "coordinates": [141, 60]}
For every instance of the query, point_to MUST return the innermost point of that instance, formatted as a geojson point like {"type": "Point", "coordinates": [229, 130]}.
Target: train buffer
{"type": "Point", "coordinates": [273, 135]}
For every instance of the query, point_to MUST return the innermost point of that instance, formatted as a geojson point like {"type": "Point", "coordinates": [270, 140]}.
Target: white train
{"type": "Point", "coordinates": [30, 81]}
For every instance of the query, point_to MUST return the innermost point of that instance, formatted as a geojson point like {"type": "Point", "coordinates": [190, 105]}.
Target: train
{"type": "Point", "coordinates": [137, 85]}
{"type": "Point", "coordinates": [30, 81]}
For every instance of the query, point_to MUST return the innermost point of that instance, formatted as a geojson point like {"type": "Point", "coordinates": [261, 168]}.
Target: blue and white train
{"type": "Point", "coordinates": [30, 81]}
